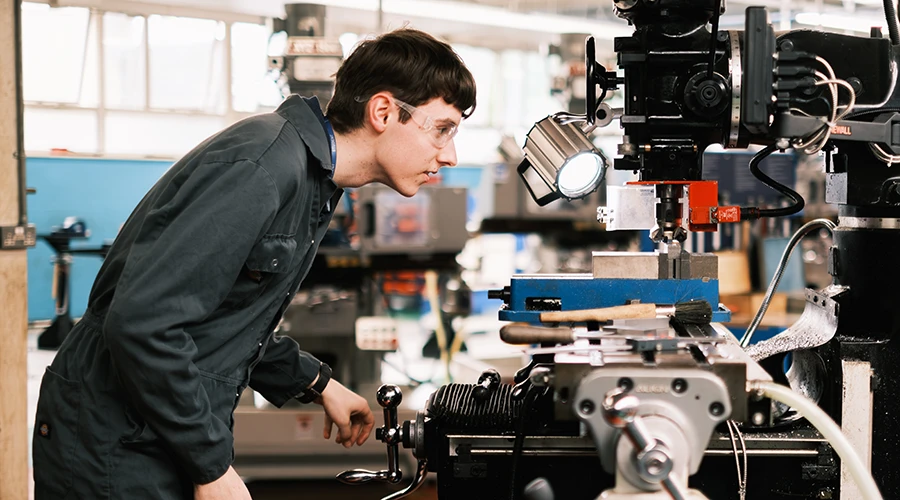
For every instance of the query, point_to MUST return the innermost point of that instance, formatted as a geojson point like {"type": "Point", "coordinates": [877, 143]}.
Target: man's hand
{"type": "Point", "coordinates": [349, 411]}
{"type": "Point", "coordinates": [228, 487]}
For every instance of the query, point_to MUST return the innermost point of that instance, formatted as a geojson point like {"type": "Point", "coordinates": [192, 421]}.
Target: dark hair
{"type": "Point", "coordinates": [410, 64]}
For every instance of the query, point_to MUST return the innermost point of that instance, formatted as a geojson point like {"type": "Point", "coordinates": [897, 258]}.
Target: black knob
{"type": "Point", "coordinates": [487, 383]}
{"type": "Point", "coordinates": [503, 294]}
{"type": "Point", "coordinates": [489, 378]}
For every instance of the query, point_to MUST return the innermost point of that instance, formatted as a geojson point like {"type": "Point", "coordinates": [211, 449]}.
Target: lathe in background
{"type": "Point", "coordinates": [310, 58]}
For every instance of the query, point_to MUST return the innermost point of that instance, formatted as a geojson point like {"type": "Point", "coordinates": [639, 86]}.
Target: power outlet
{"type": "Point", "coordinates": [17, 237]}
{"type": "Point", "coordinates": [376, 333]}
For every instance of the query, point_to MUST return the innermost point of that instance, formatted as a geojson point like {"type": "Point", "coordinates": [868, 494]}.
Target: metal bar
{"type": "Point", "coordinates": [229, 74]}
{"type": "Point", "coordinates": [195, 9]}
{"type": "Point", "coordinates": [552, 452]}
{"type": "Point", "coordinates": [20, 113]}
{"type": "Point", "coordinates": [146, 63]}
{"type": "Point", "coordinates": [380, 26]}
{"type": "Point", "coordinates": [190, 112]}
{"type": "Point", "coordinates": [101, 83]}
{"type": "Point", "coordinates": [84, 54]}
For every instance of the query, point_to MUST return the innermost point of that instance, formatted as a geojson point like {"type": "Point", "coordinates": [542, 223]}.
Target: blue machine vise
{"type": "Point", "coordinates": [619, 278]}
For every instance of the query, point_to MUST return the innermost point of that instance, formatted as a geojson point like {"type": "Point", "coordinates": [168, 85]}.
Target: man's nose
{"type": "Point", "coordinates": [447, 155]}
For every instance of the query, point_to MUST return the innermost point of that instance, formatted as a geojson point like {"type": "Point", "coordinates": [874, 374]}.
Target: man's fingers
{"type": "Point", "coordinates": [355, 429]}
{"type": "Point", "coordinates": [344, 431]}
{"type": "Point", "coordinates": [328, 424]}
{"type": "Point", "coordinates": [366, 430]}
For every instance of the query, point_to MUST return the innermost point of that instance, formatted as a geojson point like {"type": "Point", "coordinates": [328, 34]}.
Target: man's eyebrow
{"type": "Point", "coordinates": [446, 121]}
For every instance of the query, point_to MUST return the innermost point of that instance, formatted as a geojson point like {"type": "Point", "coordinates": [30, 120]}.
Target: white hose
{"type": "Point", "coordinates": [823, 423]}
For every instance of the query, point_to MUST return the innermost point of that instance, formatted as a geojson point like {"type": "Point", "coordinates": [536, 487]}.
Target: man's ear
{"type": "Point", "coordinates": [378, 111]}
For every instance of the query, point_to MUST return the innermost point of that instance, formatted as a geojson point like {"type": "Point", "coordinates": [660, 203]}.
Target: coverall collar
{"type": "Point", "coordinates": [297, 110]}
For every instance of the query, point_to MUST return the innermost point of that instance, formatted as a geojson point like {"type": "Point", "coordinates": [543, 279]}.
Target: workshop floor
{"type": "Point", "coordinates": [330, 490]}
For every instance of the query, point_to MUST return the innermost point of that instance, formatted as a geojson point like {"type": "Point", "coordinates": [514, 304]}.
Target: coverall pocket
{"type": "Point", "coordinates": [139, 433]}
{"type": "Point", "coordinates": [268, 259]}
{"type": "Point", "coordinates": [223, 394]}
{"type": "Point", "coordinates": [55, 435]}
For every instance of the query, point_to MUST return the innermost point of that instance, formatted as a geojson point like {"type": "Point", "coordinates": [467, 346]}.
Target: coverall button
{"type": "Point", "coordinates": [274, 262]}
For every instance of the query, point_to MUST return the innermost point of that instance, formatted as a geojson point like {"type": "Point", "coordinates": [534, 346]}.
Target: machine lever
{"type": "Point", "coordinates": [519, 390]}
{"type": "Point", "coordinates": [418, 479]}
{"type": "Point", "coordinates": [539, 489]}
{"type": "Point", "coordinates": [389, 397]}
{"type": "Point", "coordinates": [361, 476]}
{"type": "Point", "coordinates": [652, 459]}
{"type": "Point", "coordinates": [524, 372]}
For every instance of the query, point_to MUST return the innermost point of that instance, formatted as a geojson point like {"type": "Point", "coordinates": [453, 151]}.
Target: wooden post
{"type": "Point", "coordinates": [13, 282]}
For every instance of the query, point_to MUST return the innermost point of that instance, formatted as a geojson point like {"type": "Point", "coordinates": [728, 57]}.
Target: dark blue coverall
{"type": "Point", "coordinates": [138, 402]}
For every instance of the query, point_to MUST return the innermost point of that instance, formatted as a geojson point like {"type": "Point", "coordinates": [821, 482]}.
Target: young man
{"type": "Point", "coordinates": [139, 400]}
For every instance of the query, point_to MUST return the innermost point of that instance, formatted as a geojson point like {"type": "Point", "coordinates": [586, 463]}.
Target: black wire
{"type": "Point", "coordinates": [890, 13]}
{"type": "Point", "coordinates": [748, 213]}
{"type": "Point", "coordinates": [531, 396]}
{"type": "Point", "coordinates": [714, 34]}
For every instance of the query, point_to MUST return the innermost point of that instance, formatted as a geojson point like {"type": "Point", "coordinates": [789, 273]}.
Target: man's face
{"type": "Point", "coordinates": [408, 153]}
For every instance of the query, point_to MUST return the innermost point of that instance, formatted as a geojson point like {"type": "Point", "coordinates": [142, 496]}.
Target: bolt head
{"type": "Point", "coordinates": [587, 407]}
{"type": "Point", "coordinates": [655, 465]}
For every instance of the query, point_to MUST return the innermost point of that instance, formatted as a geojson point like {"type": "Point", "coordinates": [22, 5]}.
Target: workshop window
{"type": "Point", "coordinates": [186, 63]}
{"type": "Point", "coordinates": [157, 134]}
{"type": "Point", "coordinates": [251, 85]}
{"type": "Point", "coordinates": [124, 61]}
{"type": "Point", "coordinates": [70, 129]}
{"type": "Point", "coordinates": [482, 63]}
{"type": "Point", "coordinates": [59, 55]}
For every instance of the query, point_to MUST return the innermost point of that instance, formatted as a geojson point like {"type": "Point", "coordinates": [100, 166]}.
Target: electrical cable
{"type": "Point", "coordinates": [712, 39]}
{"type": "Point", "coordinates": [822, 136]}
{"type": "Point", "coordinates": [890, 15]}
{"type": "Point", "coordinates": [816, 141]}
{"type": "Point", "coordinates": [779, 271]}
{"type": "Point", "coordinates": [749, 213]}
{"type": "Point", "coordinates": [883, 155]}
{"type": "Point", "coordinates": [741, 475]}
{"type": "Point", "coordinates": [531, 395]}
{"type": "Point", "coordinates": [832, 433]}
